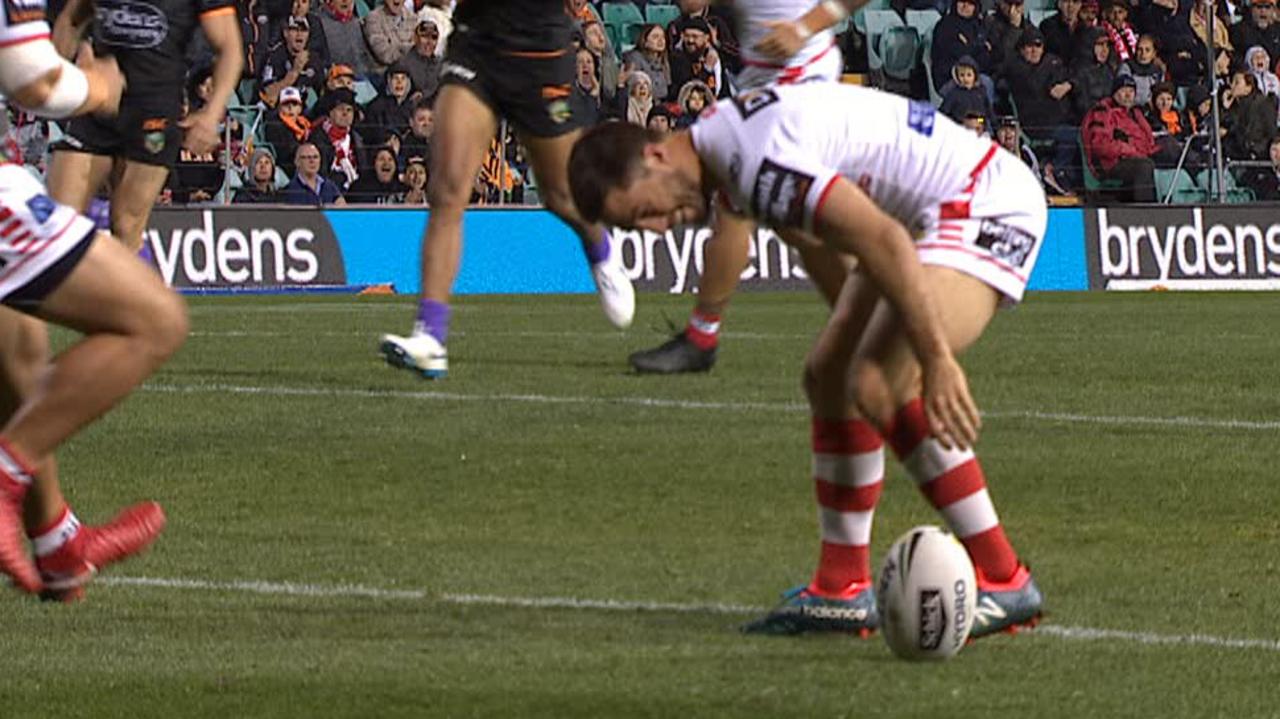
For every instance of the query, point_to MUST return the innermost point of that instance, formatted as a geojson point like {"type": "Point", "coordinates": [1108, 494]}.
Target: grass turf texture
{"type": "Point", "coordinates": [284, 451]}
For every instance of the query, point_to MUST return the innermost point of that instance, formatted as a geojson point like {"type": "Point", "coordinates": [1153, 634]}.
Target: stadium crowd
{"type": "Point", "coordinates": [335, 106]}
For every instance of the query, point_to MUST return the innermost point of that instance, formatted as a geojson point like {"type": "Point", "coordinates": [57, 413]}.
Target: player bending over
{"type": "Point", "coordinates": [785, 42]}
{"type": "Point", "coordinates": [861, 170]}
{"type": "Point", "coordinates": [54, 265]}
{"type": "Point", "coordinates": [506, 58]}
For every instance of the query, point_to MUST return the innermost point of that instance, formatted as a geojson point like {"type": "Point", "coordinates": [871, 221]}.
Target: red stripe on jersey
{"type": "Point", "coordinates": [973, 253]}
{"type": "Point", "coordinates": [955, 485]}
{"type": "Point", "coordinates": [847, 499]}
{"type": "Point", "coordinates": [844, 436]}
{"type": "Point", "coordinates": [20, 40]}
{"type": "Point", "coordinates": [11, 227]}
{"type": "Point", "coordinates": [23, 239]}
{"type": "Point", "coordinates": [31, 253]}
{"type": "Point", "coordinates": [797, 69]}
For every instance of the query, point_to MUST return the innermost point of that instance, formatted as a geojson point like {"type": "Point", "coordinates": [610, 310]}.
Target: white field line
{"type": "Point", "coordinates": [659, 402]}
{"type": "Point", "coordinates": [618, 605]}
{"type": "Point", "coordinates": [555, 334]}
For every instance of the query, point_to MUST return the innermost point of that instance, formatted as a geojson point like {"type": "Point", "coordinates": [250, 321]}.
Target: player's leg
{"type": "Point", "coordinates": [888, 387]}
{"type": "Point", "coordinates": [75, 177]}
{"type": "Point", "coordinates": [827, 269]}
{"type": "Point", "coordinates": [848, 472]}
{"type": "Point", "coordinates": [549, 157]}
{"type": "Point", "coordinates": [132, 196]}
{"type": "Point", "coordinates": [724, 258]}
{"type": "Point", "coordinates": [464, 126]}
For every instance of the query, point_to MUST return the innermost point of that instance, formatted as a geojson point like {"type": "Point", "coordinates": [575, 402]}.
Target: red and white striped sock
{"type": "Point", "coordinates": [953, 482]}
{"type": "Point", "coordinates": [56, 534]}
{"type": "Point", "coordinates": [848, 473]}
{"type": "Point", "coordinates": [703, 330]}
{"type": "Point", "coordinates": [15, 467]}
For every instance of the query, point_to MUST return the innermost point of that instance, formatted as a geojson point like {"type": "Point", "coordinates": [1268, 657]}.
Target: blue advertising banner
{"type": "Point", "coordinates": [506, 251]}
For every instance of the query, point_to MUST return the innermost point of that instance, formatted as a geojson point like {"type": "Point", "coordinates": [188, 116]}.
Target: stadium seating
{"type": "Point", "coordinates": [1038, 15]}
{"type": "Point", "coordinates": [899, 51]}
{"type": "Point", "coordinates": [1235, 193]}
{"type": "Point", "coordinates": [661, 14]}
{"type": "Point", "coordinates": [1093, 185]}
{"type": "Point", "coordinates": [1177, 187]}
{"type": "Point", "coordinates": [622, 23]}
{"type": "Point", "coordinates": [923, 21]}
{"type": "Point", "coordinates": [878, 21]}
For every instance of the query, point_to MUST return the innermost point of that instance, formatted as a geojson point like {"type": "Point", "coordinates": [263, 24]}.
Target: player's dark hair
{"type": "Point", "coordinates": [607, 157]}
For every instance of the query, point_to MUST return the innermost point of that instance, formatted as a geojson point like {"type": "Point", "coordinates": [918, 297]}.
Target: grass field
{"type": "Point", "coordinates": [543, 534]}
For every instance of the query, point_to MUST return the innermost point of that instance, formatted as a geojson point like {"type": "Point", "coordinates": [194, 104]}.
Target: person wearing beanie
{"type": "Point", "coordinates": [1119, 143]}
{"type": "Point", "coordinates": [1041, 90]}
{"type": "Point", "coordinates": [1094, 74]}
{"type": "Point", "coordinates": [260, 187]}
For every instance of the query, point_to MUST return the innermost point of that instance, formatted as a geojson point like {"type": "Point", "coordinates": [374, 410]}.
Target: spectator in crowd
{"type": "Point", "coordinates": [1259, 28]}
{"type": "Point", "coordinates": [635, 107]}
{"type": "Point", "coordinates": [382, 186]}
{"type": "Point", "coordinates": [288, 128]}
{"type": "Point", "coordinates": [1171, 128]}
{"type": "Point", "coordinates": [1041, 92]}
{"type": "Point", "coordinates": [344, 38]}
{"type": "Point", "coordinates": [422, 61]}
{"type": "Point", "coordinates": [278, 23]}
{"type": "Point", "coordinates": [659, 119]}
{"type": "Point", "coordinates": [1248, 117]}
{"type": "Point", "coordinates": [720, 34]}
{"type": "Point", "coordinates": [1182, 53]}
{"type": "Point", "coordinates": [339, 77]}
{"type": "Point", "coordinates": [1123, 37]}
{"type": "Point", "coordinates": [390, 113]}
{"type": "Point", "coordinates": [963, 96]}
{"type": "Point", "coordinates": [290, 64]}
{"type": "Point", "coordinates": [1267, 185]}
{"type": "Point", "coordinates": [415, 182]}
{"type": "Point", "coordinates": [1119, 143]}
{"type": "Point", "coordinates": [960, 32]}
{"type": "Point", "coordinates": [416, 141]}
{"type": "Point", "coordinates": [340, 146]}
{"type": "Point", "coordinates": [260, 187]}
{"type": "Point", "coordinates": [436, 12]}
{"type": "Point", "coordinates": [1199, 108]}
{"type": "Point", "coordinates": [1258, 62]}
{"type": "Point", "coordinates": [581, 11]}
{"type": "Point", "coordinates": [695, 59]}
{"type": "Point", "coordinates": [605, 60]}
{"type": "Point", "coordinates": [389, 30]}
{"type": "Point", "coordinates": [1009, 136]}
{"type": "Point", "coordinates": [1061, 31]}
{"type": "Point", "coordinates": [650, 57]}
{"type": "Point", "coordinates": [308, 186]}
{"type": "Point", "coordinates": [1200, 26]}
{"type": "Point", "coordinates": [1094, 76]}
{"type": "Point", "coordinates": [584, 99]}
{"type": "Point", "coordinates": [1146, 68]}
{"type": "Point", "coordinates": [694, 97]}
{"type": "Point", "coordinates": [1004, 27]}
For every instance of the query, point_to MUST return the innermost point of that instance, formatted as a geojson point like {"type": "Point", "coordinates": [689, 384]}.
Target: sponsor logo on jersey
{"type": "Point", "coordinates": [749, 103]}
{"type": "Point", "coordinates": [779, 194]}
{"type": "Point", "coordinates": [18, 12]}
{"type": "Point", "coordinates": [154, 142]}
{"type": "Point", "coordinates": [933, 619]}
{"type": "Point", "coordinates": [559, 111]}
{"type": "Point", "coordinates": [453, 68]}
{"type": "Point", "coordinates": [131, 24]}
{"type": "Point", "coordinates": [1006, 243]}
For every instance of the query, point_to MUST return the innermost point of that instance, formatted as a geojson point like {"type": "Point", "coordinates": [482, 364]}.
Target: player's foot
{"type": "Point", "coordinates": [1007, 606]}
{"type": "Point", "coordinates": [71, 566]}
{"type": "Point", "coordinates": [419, 352]}
{"type": "Point", "coordinates": [675, 355]}
{"type": "Point", "coordinates": [14, 560]}
{"type": "Point", "coordinates": [802, 611]}
{"type": "Point", "coordinates": [617, 296]}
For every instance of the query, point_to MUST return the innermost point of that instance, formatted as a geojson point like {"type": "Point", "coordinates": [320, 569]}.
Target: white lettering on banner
{"type": "Point", "coordinates": [207, 256]}
{"type": "Point", "coordinates": [1191, 252]}
{"type": "Point", "coordinates": [676, 258]}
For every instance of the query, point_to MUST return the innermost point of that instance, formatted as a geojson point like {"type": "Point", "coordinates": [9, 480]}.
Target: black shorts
{"type": "Point", "coordinates": [529, 89]}
{"type": "Point", "coordinates": [145, 131]}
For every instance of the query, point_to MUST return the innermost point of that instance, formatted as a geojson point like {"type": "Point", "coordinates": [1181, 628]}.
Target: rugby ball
{"type": "Point", "coordinates": [927, 594]}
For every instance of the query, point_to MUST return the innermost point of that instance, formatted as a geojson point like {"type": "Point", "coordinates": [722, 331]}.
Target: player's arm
{"type": "Point", "coordinates": [786, 38]}
{"type": "Point", "coordinates": [70, 26]}
{"type": "Point", "coordinates": [222, 29]}
{"type": "Point", "coordinates": [35, 76]}
{"type": "Point", "coordinates": [847, 221]}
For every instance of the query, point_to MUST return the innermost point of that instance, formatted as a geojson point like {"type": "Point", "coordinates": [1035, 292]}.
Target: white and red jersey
{"type": "Point", "coordinates": [36, 233]}
{"type": "Point", "coordinates": [776, 151]}
{"type": "Point", "coordinates": [753, 19]}
{"type": "Point", "coordinates": [21, 21]}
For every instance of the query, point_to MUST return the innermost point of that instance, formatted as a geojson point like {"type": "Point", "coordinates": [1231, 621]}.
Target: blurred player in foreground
{"type": "Point", "coordinates": [506, 58]}
{"type": "Point", "coordinates": [860, 171]}
{"type": "Point", "coordinates": [56, 266]}
{"type": "Point", "coordinates": [785, 42]}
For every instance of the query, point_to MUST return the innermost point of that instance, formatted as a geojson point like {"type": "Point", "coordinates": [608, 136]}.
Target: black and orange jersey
{"type": "Point", "coordinates": [149, 38]}
{"type": "Point", "coordinates": [539, 26]}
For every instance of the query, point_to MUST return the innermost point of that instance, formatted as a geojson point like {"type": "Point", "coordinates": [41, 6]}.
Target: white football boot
{"type": "Point", "coordinates": [617, 296]}
{"type": "Point", "coordinates": [419, 352]}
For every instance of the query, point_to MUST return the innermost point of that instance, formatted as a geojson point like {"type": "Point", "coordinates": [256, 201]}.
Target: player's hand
{"type": "Point", "coordinates": [953, 416]}
{"type": "Point", "coordinates": [200, 133]}
{"type": "Point", "coordinates": [106, 82]}
{"type": "Point", "coordinates": [783, 41]}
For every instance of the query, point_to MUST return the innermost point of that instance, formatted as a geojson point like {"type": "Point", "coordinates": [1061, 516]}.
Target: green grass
{"type": "Point", "coordinates": [364, 478]}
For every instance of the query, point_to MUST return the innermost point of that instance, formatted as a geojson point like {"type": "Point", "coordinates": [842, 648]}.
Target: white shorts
{"type": "Point", "coordinates": [993, 229]}
{"type": "Point", "coordinates": [40, 240]}
{"type": "Point", "coordinates": [826, 66]}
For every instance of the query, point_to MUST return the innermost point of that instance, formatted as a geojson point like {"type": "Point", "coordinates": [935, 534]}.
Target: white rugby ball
{"type": "Point", "coordinates": [927, 594]}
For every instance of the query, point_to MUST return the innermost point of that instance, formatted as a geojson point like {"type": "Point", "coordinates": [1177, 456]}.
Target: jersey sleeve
{"type": "Point", "coordinates": [211, 8]}
{"type": "Point", "coordinates": [787, 191]}
{"type": "Point", "coordinates": [22, 21]}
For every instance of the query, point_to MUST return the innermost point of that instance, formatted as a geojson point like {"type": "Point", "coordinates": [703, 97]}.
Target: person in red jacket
{"type": "Point", "coordinates": [1119, 143]}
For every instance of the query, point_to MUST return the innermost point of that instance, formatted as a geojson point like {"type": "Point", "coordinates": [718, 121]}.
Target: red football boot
{"type": "Point", "coordinates": [66, 570]}
{"type": "Point", "coordinates": [14, 560]}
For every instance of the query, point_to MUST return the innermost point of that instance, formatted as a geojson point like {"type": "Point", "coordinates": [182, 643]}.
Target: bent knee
{"type": "Point", "coordinates": [166, 326]}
